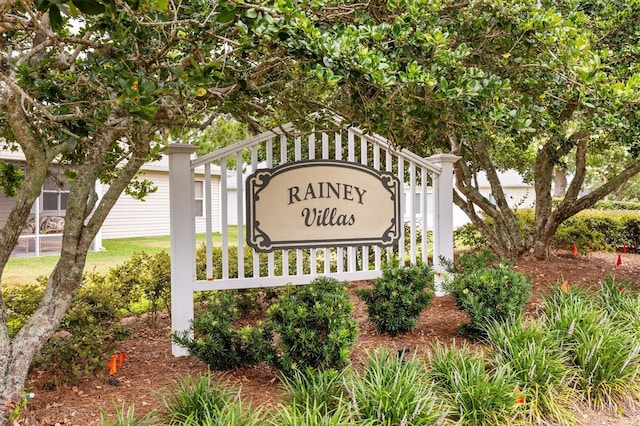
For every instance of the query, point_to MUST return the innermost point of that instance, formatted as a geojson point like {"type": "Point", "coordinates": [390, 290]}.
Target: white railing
{"type": "Point", "coordinates": [424, 179]}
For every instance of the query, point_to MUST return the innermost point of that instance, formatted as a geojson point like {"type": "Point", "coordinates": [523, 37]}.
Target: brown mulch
{"type": "Point", "coordinates": [151, 369]}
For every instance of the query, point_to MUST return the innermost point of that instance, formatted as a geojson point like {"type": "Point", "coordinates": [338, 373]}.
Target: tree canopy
{"type": "Point", "coordinates": [523, 85]}
{"type": "Point", "coordinates": [95, 86]}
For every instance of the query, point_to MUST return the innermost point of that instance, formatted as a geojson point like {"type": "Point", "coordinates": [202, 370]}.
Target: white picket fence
{"type": "Point", "coordinates": [425, 179]}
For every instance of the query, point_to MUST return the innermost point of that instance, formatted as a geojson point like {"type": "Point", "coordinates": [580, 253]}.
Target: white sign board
{"type": "Point", "coordinates": [322, 203]}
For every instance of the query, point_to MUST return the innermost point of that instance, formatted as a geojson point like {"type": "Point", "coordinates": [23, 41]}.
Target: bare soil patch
{"type": "Point", "coordinates": [151, 369]}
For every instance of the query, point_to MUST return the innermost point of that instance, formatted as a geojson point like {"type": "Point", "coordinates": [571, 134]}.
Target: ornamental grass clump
{"type": "Point", "coordinates": [201, 401]}
{"type": "Point", "coordinates": [480, 392]}
{"type": "Point", "coordinates": [393, 390]}
{"type": "Point", "coordinates": [621, 302]}
{"type": "Point", "coordinates": [320, 389]}
{"type": "Point", "coordinates": [605, 353]}
{"type": "Point", "coordinates": [540, 364]}
{"type": "Point", "coordinates": [313, 413]}
{"type": "Point", "coordinates": [398, 297]}
{"type": "Point", "coordinates": [232, 413]}
{"type": "Point", "coordinates": [127, 417]}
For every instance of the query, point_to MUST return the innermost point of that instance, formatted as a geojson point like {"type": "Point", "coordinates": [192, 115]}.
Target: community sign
{"type": "Point", "coordinates": [322, 203]}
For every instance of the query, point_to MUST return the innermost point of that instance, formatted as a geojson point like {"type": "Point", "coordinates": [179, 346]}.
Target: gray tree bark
{"type": "Point", "coordinates": [84, 217]}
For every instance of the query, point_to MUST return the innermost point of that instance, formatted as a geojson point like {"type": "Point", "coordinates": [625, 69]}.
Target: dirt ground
{"type": "Point", "coordinates": [151, 369]}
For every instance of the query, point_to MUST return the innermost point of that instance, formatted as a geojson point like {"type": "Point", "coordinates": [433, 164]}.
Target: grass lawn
{"type": "Point", "coordinates": [22, 270]}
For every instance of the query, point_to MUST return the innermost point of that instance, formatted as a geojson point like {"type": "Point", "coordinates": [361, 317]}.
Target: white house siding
{"type": "Point", "coordinates": [134, 218]}
{"type": "Point", "coordinates": [130, 217]}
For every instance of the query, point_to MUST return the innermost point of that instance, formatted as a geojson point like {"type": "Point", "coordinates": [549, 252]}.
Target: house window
{"type": "Point", "coordinates": [199, 198]}
{"type": "Point", "coordinates": [55, 193]}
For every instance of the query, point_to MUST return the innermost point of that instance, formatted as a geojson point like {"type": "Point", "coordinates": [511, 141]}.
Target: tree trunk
{"type": "Point", "coordinates": [504, 235]}
{"type": "Point", "coordinates": [560, 183]}
{"type": "Point", "coordinates": [83, 220]}
{"type": "Point", "coordinates": [548, 220]}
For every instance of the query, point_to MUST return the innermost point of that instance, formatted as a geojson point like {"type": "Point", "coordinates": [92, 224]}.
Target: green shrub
{"type": "Point", "coordinates": [468, 236]}
{"type": "Point", "coordinates": [392, 390]}
{"type": "Point", "coordinates": [590, 230]}
{"type": "Point", "coordinates": [88, 330]}
{"type": "Point", "coordinates": [214, 339]}
{"type": "Point", "coordinates": [608, 205]}
{"type": "Point", "coordinates": [158, 288]}
{"type": "Point", "coordinates": [398, 297]}
{"type": "Point", "coordinates": [314, 326]}
{"type": "Point", "coordinates": [489, 294]}
{"type": "Point", "coordinates": [21, 302]}
{"type": "Point", "coordinates": [473, 261]}
{"type": "Point", "coordinates": [481, 393]}
{"type": "Point", "coordinates": [146, 278]}
{"type": "Point", "coordinates": [91, 327]}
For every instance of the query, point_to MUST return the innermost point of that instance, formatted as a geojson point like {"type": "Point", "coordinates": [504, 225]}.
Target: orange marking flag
{"type": "Point", "coordinates": [574, 250]}
{"type": "Point", "coordinates": [112, 365]}
{"type": "Point", "coordinates": [117, 361]}
{"type": "Point", "coordinates": [122, 357]}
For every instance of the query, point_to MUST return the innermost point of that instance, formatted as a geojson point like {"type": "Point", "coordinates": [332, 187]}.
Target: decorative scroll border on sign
{"type": "Point", "coordinates": [260, 197]}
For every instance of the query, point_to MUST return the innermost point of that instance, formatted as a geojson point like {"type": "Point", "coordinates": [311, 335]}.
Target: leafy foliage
{"type": "Point", "coordinates": [314, 326]}
{"type": "Point", "coordinates": [214, 339]}
{"type": "Point", "coordinates": [487, 294]}
{"type": "Point", "coordinates": [10, 178]}
{"type": "Point", "coordinates": [398, 297]}
{"type": "Point", "coordinates": [89, 330]}
{"type": "Point", "coordinates": [557, 83]}
{"type": "Point", "coordinates": [21, 302]}
{"type": "Point", "coordinates": [145, 276]}
{"type": "Point", "coordinates": [590, 230]}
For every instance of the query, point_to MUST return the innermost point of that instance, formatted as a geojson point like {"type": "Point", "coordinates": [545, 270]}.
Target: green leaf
{"type": "Point", "coordinates": [73, 10]}
{"type": "Point", "coordinates": [89, 7]}
{"type": "Point", "coordinates": [55, 17]}
{"type": "Point", "coordinates": [226, 16]}
{"type": "Point", "coordinates": [42, 5]}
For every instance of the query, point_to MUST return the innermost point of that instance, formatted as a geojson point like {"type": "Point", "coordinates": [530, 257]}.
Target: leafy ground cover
{"type": "Point", "coordinates": [151, 369]}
